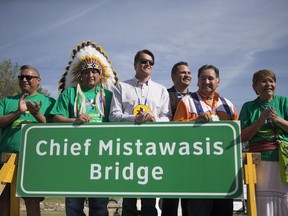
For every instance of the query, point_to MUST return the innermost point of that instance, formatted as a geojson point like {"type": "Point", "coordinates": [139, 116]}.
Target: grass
{"type": "Point", "coordinates": [49, 207]}
{"type": "Point", "coordinates": [56, 206]}
{"type": "Point", "coordinates": [51, 202]}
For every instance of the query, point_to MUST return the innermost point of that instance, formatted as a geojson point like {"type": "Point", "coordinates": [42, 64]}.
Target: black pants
{"type": "Point", "coordinates": [97, 206]}
{"type": "Point", "coordinates": [148, 208]}
{"type": "Point", "coordinates": [210, 207]}
{"type": "Point", "coordinates": [170, 206]}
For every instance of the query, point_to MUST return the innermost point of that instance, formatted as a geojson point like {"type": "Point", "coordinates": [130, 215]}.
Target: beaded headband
{"type": "Point", "coordinates": [88, 56]}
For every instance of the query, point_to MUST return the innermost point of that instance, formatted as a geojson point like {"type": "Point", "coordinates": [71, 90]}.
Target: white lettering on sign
{"type": "Point", "coordinates": [53, 148]}
{"type": "Point", "coordinates": [126, 173]}
{"type": "Point", "coordinates": [139, 148]}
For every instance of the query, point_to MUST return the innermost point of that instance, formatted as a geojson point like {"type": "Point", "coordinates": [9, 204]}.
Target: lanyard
{"type": "Point", "coordinates": [139, 101]}
{"type": "Point", "coordinates": [199, 107]}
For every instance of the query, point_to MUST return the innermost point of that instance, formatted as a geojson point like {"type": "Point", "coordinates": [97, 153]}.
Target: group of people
{"type": "Point", "coordinates": [91, 92]}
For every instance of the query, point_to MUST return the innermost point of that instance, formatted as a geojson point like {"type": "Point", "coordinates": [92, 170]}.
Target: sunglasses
{"type": "Point", "coordinates": [146, 61]}
{"type": "Point", "coordinates": [27, 77]}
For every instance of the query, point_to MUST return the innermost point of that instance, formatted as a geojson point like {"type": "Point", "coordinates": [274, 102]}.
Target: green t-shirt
{"type": "Point", "coordinates": [10, 135]}
{"type": "Point", "coordinates": [65, 104]}
{"type": "Point", "coordinates": [250, 113]}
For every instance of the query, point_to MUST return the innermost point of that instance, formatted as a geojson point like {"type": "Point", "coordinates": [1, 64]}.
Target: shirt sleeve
{"type": "Point", "coordinates": [244, 117]}
{"type": "Point", "coordinates": [116, 110]}
{"type": "Point", "coordinates": [2, 107]}
{"type": "Point", "coordinates": [165, 111]}
{"type": "Point", "coordinates": [61, 106]}
{"type": "Point", "coordinates": [50, 104]}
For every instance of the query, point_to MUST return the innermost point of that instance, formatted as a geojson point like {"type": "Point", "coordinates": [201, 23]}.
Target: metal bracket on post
{"type": "Point", "coordinates": [250, 159]}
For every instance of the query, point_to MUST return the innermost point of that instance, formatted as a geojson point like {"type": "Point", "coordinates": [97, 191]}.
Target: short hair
{"type": "Point", "coordinates": [137, 56]}
{"type": "Point", "coordinates": [263, 73]}
{"type": "Point", "coordinates": [174, 68]}
{"type": "Point", "coordinates": [204, 67]}
{"type": "Point", "coordinates": [24, 67]}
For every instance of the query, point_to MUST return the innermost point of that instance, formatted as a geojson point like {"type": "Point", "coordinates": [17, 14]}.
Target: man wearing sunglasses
{"type": "Point", "coordinates": [140, 100]}
{"type": "Point", "coordinates": [27, 107]}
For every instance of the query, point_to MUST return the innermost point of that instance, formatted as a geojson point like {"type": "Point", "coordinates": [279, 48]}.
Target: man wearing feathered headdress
{"type": "Point", "coordinates": [86, 97]}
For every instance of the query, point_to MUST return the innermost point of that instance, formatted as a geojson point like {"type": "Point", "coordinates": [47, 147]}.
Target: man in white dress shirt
{"type": "Point", "coordinates": [140, 100]}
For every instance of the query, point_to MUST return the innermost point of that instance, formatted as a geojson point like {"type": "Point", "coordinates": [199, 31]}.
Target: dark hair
{"type": "Point", "coordinates": [24, 67]}
{"type": "Point", "coordinates": [204, 67]}
{"type": "Point", "coordinates": [137, 56]}
{"type": "Point", "coordinates": [263, 73]}
{"type": "Point", "coordinates": [174, 68]}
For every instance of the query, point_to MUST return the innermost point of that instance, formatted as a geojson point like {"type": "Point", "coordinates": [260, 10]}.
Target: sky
{"type": "Point", "coordinates": [238, 37]}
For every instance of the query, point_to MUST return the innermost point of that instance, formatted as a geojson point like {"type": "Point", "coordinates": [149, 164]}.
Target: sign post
{"type": "Point", "coordinates": [8, 174]}
{"type": "Point", "coordinates": [148, 160]}
{"type": "Point", "coordinates": [251, 159]}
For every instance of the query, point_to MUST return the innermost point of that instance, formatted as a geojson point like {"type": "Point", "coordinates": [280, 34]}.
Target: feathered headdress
{"type": "Point", "coordinates": [88, 56]}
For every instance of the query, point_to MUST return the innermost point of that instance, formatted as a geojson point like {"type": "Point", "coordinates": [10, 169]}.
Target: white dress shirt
{"type": "Point", "coordinates": [130, 93]}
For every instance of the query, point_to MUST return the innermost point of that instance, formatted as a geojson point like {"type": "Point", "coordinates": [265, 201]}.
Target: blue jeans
{"type": "Point", "coordinates": [97, 206]}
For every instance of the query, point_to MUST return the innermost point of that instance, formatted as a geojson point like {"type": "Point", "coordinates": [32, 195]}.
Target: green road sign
{"type": "Point", "coordinates": [131, 160]}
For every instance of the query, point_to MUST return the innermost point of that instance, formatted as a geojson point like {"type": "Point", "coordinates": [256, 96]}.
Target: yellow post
{"type": "Point", "coordinates": [14, 200]}
{"type": "Point", "coordinates": [7, 171]}
{"type": "Point", "coordinates": [8, 174]}
{"type": "Point", "coordinates": [250, 181]}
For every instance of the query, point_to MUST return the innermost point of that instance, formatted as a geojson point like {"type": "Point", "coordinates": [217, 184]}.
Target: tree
{"type": "Point", "coordinates": [9, 85]}
{"type": "Point", "coordinates": [8, 79]}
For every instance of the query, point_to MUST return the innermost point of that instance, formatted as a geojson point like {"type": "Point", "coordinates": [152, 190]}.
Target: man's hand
{"type": "Point", "coordinates": [83, 118]}
{"type": "Point", "coordinates": [145, 117]}
{"type": "Point", "coordinates": [22, 104]}
{"type": "Point", "coordinates": [204, 117]}
{"type": "Point", "coordinates": [34, 109]}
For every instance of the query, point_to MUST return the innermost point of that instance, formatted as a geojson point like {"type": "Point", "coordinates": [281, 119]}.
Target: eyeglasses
{"type": "Point", "coordinates": [146, 61]}
{"type": "Point", "coordinates": [27, 77]}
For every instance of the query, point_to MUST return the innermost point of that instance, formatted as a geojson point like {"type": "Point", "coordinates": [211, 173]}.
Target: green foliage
{"type": "Point", "coordinates": [43, 91]}
{"type": "Point", "coordinates": [8, 79]}
{"type": "Point", "coordinates": [9, 85]}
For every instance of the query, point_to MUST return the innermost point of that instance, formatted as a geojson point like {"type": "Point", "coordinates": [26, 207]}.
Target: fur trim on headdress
{"type": "Point", "coordinates": [88, 56]}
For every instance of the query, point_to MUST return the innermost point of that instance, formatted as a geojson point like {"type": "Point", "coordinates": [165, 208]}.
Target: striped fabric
{"type": "Point", "coordinates": [188, 109]}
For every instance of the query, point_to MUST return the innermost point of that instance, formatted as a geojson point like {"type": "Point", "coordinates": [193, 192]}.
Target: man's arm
{"type": "Point", "coordinates": [11, 117]}
{"type": "Point", "coordinates": [165, 112]}
{"type": "Point", "coordinates": [116, 110]}
{"type": "Point", "coordinates": [83, 118]}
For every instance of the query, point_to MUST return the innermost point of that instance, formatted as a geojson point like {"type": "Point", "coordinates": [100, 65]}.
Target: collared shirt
{"type": "Point", "coordinates": [187, 110]}
{"type": "Point", "coordinates": [175, 97]}
{"type": "Point", "coordinates": [130, 93]}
